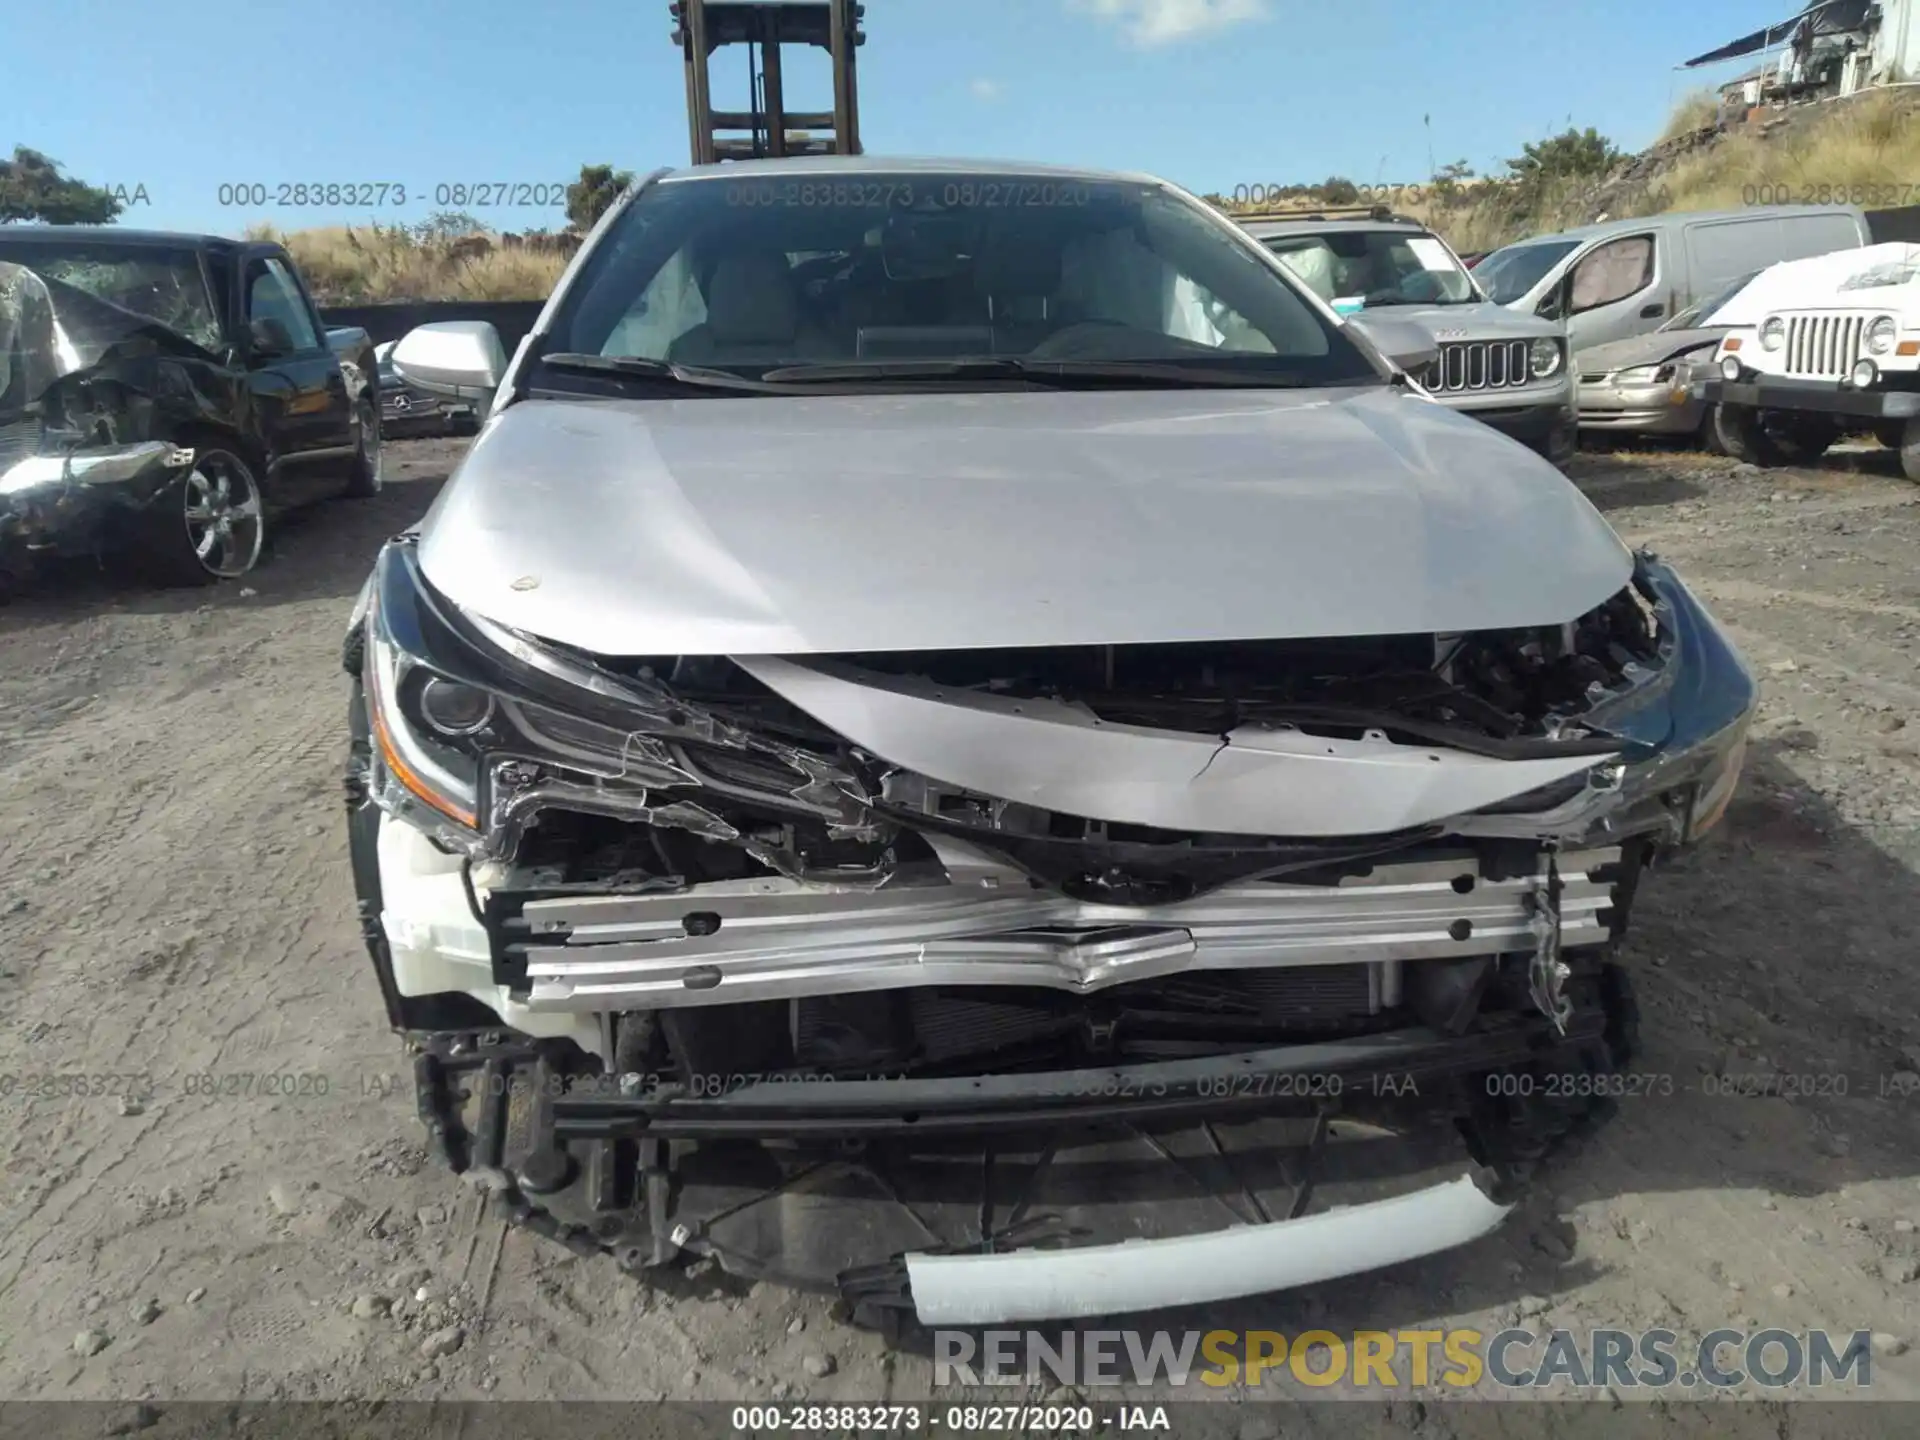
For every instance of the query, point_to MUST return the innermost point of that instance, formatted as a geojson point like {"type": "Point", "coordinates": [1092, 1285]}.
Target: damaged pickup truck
{"type": "Point", "coordinates": [961, 741]}
{"type": "Point", "coordinates": [163, 396]}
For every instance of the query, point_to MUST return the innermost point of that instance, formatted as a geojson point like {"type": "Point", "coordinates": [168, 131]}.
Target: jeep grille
{"type": "Point", "coordinates": [1477, 365]}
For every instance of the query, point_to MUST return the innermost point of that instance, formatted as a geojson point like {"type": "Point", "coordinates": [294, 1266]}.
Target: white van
{"type": "Point", "coordinates": [1626, 277]}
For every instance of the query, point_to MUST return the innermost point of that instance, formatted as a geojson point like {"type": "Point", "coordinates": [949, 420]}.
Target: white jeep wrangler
{"type": "Point", "coordinates": [1835, 349]}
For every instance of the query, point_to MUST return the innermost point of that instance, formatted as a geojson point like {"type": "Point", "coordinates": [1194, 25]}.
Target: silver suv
{"type": "Point", "coordinates": [1507, 369]}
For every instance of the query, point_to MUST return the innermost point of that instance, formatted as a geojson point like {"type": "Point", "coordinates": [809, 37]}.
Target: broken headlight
{"type": "Point", "coordinates": [437, 726]}
{"type": "Point", "coordinates": [454, 702]}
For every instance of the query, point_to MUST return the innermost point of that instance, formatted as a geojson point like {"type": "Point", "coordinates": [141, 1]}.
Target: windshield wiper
{"type": "Point", "coordinates": [640, 367]}
{"type": "Point", "coordinates": [1061, 373]}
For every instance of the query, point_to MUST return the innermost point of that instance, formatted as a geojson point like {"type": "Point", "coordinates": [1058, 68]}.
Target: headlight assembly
{"type": "Point", "coordinates": [439, 777]}
{"type": "Point", "coordinates": [1881, 335]}
{"type": "Point", "coordinates": [1773, 333]}
{"type": "Point", "coordinates": [1711, 801]}
{"type": "Point", "coordinates": [453, 709]}
{"type": "Point", "coordinates": [462, 713]}
{"type": "Point", "coordinates": [1644, 375]}
{"type": "Point", "coordinates": [436, 735]}
{"type": "Point", "coordinates": [1543, 358]}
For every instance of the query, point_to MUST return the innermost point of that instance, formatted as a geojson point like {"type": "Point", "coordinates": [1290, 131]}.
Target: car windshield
{"type": "Point", "coordinates": [1508, 274]}
{"type": "Point", "coordinates": [1701, 311]}
{"type": "Point", "coordinates": [1368, 268]}
{"type": "Point", "coordinates": [936, 278]}
{"type": "Point", "coordinates": [135, 284]}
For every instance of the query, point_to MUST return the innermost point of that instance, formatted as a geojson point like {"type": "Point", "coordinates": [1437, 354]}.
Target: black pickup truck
{"type": "Point", "coordinates": [164, 397]}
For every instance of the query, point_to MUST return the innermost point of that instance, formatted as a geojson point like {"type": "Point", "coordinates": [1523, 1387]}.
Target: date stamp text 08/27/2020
{"type": "Point", "coordinates": [392, 194]}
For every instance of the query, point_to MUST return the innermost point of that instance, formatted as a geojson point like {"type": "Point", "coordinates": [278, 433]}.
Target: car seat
{"type": "Point", "coordinates": [753, 317]}
{"type": "Point", "coordinates": [1019, 283]}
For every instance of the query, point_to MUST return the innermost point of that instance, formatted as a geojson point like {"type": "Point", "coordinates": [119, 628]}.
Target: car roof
{"type": "Point", "coordinates": [1269, 229]}
{"type": "Point", "coordinates": [1675, 219]}
{"type": "Point", "coordinates": [898, 164]}
{"type": "Point", "coordinates": [113, 234]}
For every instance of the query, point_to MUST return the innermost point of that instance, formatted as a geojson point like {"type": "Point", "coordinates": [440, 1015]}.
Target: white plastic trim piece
{"type": "Point", "coordinates": [435, 943]}
{"type": "Point", "coordinates": [1193, 1269]}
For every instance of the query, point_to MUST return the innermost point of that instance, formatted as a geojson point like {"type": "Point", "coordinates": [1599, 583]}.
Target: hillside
{"type": "Point", "coordinates": [1862, 150]}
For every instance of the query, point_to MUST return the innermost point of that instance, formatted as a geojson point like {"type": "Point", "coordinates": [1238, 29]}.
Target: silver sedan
{"type": "Point", "coordinates": [1654, 384]}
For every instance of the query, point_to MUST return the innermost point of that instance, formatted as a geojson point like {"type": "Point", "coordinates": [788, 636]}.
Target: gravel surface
{"type": "Point", "coordinates": [174, 902]}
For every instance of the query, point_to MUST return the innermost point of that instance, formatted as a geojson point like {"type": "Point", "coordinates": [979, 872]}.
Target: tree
{"type": "Point", "coordinates": [1339, 190]}
{"type": "Point", "coordinates": [447, 225]}
{"type": "Point", "coordinates": [590, 197]}
{"type": "Point", "coordinates": [1446, 180]}
{"type": "Point", "coordinates": [33, 189]}
{"type": "Point", "coordinates": [1571, 155]}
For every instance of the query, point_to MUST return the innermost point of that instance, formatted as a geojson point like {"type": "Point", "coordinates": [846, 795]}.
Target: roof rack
{"type": "Point", "coordinates": [1383, 213]}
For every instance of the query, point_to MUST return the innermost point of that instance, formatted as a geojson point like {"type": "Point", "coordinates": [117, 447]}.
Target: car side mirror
{"type": "Point", "coordinates": [454, 359]}
{"type": "Point", "coordinates": [1553, 305]}
{"type": "Point", "coordinates": [1408, 344]}
{"type": "Point", "coordinates": [269, 337]}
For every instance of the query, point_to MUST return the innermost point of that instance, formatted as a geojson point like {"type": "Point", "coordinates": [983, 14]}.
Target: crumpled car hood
{"type": "Point", "coordinates": [1649, 349]}
{"type": "Point", "coordinates": [808, 525]}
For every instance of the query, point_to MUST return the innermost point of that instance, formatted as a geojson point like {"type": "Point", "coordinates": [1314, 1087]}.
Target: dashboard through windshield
{"type": "Point", "coordinates": [1370, 269]}
{"type": "Point", "coordinates": [888, 270]}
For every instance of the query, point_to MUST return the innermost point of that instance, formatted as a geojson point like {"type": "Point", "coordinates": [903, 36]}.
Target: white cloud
{"type": "Point", "coordinates": [985, 89]}
{"type": "Point", "coordinates": [1162, 22]}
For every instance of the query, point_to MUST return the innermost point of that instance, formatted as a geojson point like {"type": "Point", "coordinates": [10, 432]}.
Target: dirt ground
{"type": "Point", "coordinates": [174, 901]}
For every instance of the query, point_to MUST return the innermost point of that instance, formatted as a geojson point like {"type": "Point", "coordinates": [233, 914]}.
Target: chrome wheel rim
{"type": "Point", "coordinates": [223, 515]}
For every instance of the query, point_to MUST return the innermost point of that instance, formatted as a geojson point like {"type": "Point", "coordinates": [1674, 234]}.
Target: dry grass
{"type": "Point", "coordinates": [359, 265]}
{"type": "Point", "coordinates": [1694, 111]}
{"type": "Point", "coordinates": [1854, 151]}
{"type": "Point", "coordinates": [1860, 150]}
{"type": "Point", "coordinates": [1495, 212]}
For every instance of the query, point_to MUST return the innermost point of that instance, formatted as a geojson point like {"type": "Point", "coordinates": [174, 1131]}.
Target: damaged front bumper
{"type": "Point", "coordinates": [742, 977]}
{"type": "Point", "coordinates": [1021, 1197]}
{"type": "Point", "coordinates": [62, 501]}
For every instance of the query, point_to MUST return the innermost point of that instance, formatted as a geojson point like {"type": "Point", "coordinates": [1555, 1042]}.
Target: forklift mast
{"type": "Point", "coordinates": [764, 26]}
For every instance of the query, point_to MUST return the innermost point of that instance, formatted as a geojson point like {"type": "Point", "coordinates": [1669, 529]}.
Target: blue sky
{"type": "Point", "coordinates": [181, 96]}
